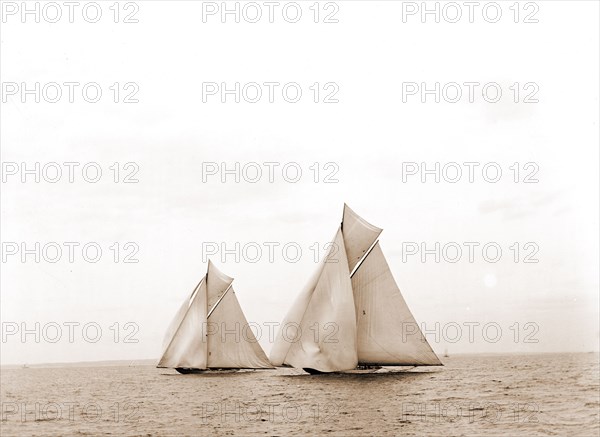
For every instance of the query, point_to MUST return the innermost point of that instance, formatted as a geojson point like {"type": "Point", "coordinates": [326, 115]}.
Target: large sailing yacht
{"type": "Point", "coordinates": [351, 313]}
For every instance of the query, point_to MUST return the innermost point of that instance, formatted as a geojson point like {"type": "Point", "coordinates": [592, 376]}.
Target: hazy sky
{"type": "Point", "coordinates": [367, 136]}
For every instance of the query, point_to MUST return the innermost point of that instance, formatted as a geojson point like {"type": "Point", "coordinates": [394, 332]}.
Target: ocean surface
{"type": "Point", "coordinates": [473, 395]}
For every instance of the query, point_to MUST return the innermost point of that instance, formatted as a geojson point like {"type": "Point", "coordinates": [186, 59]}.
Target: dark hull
{"type": "Point", "coordinates": [186, 371]}
{"type": "Point", "coordinates": [359, 369]}
{"type": "Point", "coordinates": [313, 371]}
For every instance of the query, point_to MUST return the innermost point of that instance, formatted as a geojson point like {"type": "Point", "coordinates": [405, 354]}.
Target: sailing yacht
{"type": "Point", "coordinates": [351, 313]}
{"type": "Point", "coordinates": [200, 336]}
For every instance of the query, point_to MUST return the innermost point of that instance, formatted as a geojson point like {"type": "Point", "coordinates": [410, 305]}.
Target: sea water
{"type": "Point", "coordinates": [542, 394]}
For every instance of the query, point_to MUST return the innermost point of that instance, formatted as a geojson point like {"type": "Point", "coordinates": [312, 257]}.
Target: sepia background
{"type": "Point", "coordinates": [361, 145]}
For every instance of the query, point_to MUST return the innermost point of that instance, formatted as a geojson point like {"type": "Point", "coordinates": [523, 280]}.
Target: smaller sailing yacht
{"type": "Point", "coordinates": [210, 332]}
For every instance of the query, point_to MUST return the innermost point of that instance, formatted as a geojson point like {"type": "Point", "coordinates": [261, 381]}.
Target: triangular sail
{"type": "Point", "coordinates": [320, 331]}
{"type": "Point", "coordinates": [282, 343]}
{"type": "Point", "coordinates": [174, 325]}
{"type": "Point", "coordinates": [231, 341]}
{"type": "Point", "coordinates": [217, 284]}
{"type": "Point", "coordinates": [387, 333]}
{"type": "Point", "coordinates": [187, 347]}
{"type": "Point", "coordinates": [359, 235]}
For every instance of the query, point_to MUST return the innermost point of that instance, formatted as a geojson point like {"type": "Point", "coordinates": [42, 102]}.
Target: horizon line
{"type": "Point", "coordinates": [145, 361]}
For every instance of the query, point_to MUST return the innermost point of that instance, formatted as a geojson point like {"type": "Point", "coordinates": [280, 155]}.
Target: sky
{"type": "Point", "coordinates": [367, 142]}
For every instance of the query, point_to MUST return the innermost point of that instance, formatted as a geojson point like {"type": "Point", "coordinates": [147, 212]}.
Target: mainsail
{"type": "Point", "coordinates": [231, 341]}
{"type": "Point", "coordinates": [351, 312]}
{"type": "Point", "coordinates": [387, 332]}
{"type": "Point", "coordinates": [187, 347]}
{"type": "Point", "coordinates": [194, 339]}
{"type": "Point", "coordinates": [320, 331]}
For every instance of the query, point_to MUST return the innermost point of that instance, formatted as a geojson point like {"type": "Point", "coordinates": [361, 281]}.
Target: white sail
{"type": "Point", "coordinates": [320, 333]}
{"type": "Point", "coordinates": [217, 283]}
{"type": "Point", "coordinates": [187, 347]}
{"type": "Point", "coordinates": [174, 325]}
{"type": "Point", "coordinates": [231, 341]}
{"type": "Point", "coordinates": [387, 333]}
{"type": "Point", "coordinates": [359, 235]}
{"type": "Point", "coordinates": [282, 345]}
